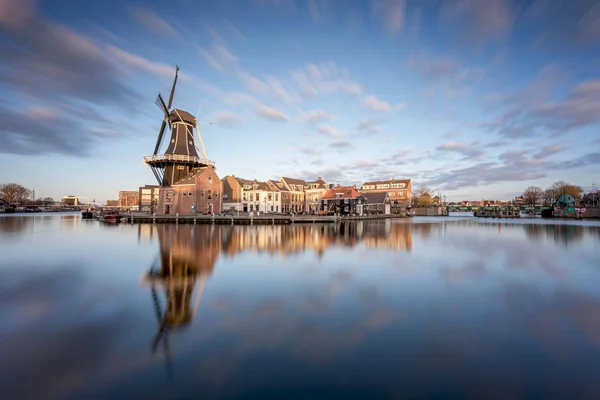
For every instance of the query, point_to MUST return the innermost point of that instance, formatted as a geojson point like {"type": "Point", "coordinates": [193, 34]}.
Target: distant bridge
{"type": "Point", "coordinates": [491, 208]}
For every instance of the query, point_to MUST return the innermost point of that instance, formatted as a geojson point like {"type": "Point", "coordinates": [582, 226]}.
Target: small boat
{"type": "Point", "coordinates": [110, 218]}
{"type": "Point", "coordinates": [87, 214]}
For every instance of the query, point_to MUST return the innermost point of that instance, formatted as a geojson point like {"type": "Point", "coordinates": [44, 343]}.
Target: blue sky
{"type": "Point", "coordinates": [476, 99]}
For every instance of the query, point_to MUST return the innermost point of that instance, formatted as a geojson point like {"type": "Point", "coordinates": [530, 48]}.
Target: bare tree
{"type": "Point", "coordinates": [532, 195]}
{"type": "Point", "coordinates": [14, 193]}
{"type": "Point", "coordinates": [418, 198]}
{"type": "Point", "coordinates": [548, 197]}
{"type": "Point", "coordinates": [561, 187]}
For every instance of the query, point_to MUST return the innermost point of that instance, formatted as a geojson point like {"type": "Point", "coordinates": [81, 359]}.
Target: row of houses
{"type": "Point", "coordinates": [203, 193]}
{"type": "Point", "coordinates": [292, 195]}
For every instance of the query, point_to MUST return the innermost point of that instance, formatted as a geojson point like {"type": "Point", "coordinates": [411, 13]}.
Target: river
{"type": "Point", "coordinates": [417, 307]}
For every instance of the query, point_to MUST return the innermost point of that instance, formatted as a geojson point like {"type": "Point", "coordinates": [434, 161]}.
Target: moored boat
{"type": "Point", "coordinates": [110, 218]}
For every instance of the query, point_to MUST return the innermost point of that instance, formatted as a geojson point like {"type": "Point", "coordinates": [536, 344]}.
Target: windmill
{"type": "Point", "coordinates": [182, 155]}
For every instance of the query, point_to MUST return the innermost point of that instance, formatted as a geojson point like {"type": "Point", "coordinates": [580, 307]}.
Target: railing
{"type": "Point", "coordinates": [177, 157]}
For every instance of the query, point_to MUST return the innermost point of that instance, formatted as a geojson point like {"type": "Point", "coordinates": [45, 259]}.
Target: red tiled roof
{"type": "Point", "coordinates": [348, 192]}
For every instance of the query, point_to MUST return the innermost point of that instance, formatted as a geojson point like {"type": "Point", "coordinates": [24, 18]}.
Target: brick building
{"type": "Point", "coordinates": [129, 199]}
{"type": "Point", "coordinates": [197, 193]}
{"type": "Point", "coordinates": [400, 192]}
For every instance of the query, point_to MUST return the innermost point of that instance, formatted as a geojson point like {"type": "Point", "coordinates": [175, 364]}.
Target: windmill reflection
{"type": "Point", "coordinates": [187, 256]}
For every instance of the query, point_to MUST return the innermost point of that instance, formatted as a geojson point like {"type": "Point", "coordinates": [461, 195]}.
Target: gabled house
{"type": "Point", "coordinates": [377, 203]}
{"type": "Point", "coordinates": [400, 191]}
{"type": "Point", "coordinates": [343, 200]}
{"type": "Point", "coordinates": [233, 190]}
{"type": "Point", "coordinates": [296, 188]}
{"type": "Point", "coordinates": [283, 198]}
{"type": "Point", "coordinates": [199, 192]}
{"type": "Point", "coordinates": [313, 193]}
{"type": "Point", "coordinates": [566, 200]}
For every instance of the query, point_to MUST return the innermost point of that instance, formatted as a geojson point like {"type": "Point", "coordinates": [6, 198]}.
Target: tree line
{"type": "Point", "coordinates": [14, 193]}
{"type": "Point", "coordinates": [535, 195]}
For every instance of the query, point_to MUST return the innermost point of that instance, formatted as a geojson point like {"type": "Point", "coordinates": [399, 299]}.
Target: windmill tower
{"type": "Point", "coordinates": [182, 155]}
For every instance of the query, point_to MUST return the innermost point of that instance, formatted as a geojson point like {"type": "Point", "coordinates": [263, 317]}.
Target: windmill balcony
{"type": "Point", "coordinates": [181, 158]}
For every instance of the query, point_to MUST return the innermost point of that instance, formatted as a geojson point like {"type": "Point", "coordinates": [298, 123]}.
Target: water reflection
{"type": "Point", "coordinates": [187, 255]}
{"type": "Point", "coordinates": [376, 309]}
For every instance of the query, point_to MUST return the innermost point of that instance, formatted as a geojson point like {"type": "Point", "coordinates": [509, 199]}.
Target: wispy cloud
{"type": "Point", "coordinates": [329, 131]}
{"type": "Point", "coordinates": [153, 22]}
{"type": "Point", "coordinates": [478, 21]}
{"type": "Point", "coordinates": [225, 118]}
{"type": "Point", "coordinates": [315, 116]}
{"type": "Point", "coordinates": [219, 57]}
{"type": "Point", "coordinates": [271, 114]}
{"type": "Point", "coordinates": [368, 125]}
{"type": "Point", "coordinates": [342, 144]}
{"type": "Point", "coordinates": [391, 12]}
{"type": "Point", "coordinates": [468, 150]}
{"type": "Point", "coordinates": [374, 104]}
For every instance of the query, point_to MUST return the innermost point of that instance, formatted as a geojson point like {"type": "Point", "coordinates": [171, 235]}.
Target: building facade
{"type": "Point", "coordinates": [400, 192]}
{"type": "Point", "coordinates": [198, 193]}
{"type": "Point", "coordinates": [377, 203]}
{"type": "Point", "coordinates": [313, 193]}
{"type": "Point", "coordinates": [261, 197]}
{"type": "Point", "coordinates": [149, 196]}
{"type": "Point", "coordinates": [285, 197]}
{"type": "Point", "coordinates": [343, 200]}
{"type": "Point", "coordinates": [129, 199]}
{"type": "Point", "coordinates": [233, 192]}
{"type": "Point", "coordinates": [296, 188]}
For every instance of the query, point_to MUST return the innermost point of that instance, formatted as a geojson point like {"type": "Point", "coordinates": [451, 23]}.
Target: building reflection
{"type": "Point", "coordinates": [188, 254]}
{"type": "Point", "coordinates": [560, 234]}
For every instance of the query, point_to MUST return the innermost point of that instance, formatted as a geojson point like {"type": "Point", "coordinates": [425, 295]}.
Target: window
{"type": "Point", "coordinates": [184, 193]}
{"type": "Point", "coordinates": [172, 140]}
{"type": "Point", "coordinates": [190, 142]}
{"type": "Point", "coordinates": [209, 194]}
{"type": "Point", "coordinates": [251, 196]}
{"type": "Point", "coordinates": [210, 180]}
{"type": "Point", "coordinates": [251, 207]}
{"type": "Point", "coordinates": [346, 201]}
{"type": "Point", "coordinates": [225, 196]}
{"type": "Point", "coordinates": [276, 196]}
{"type": "Point", "coordinates": [400, 193]}
{"type": "Point", "coordinates": [271, 208]}
{"type": "Point", "coordinates": [257, 197]}
{"type": "Point", "coordinates": [203, 192]}
{"type": "Point", "coordinates": [270, 197]}
{"type": "Point", "coordinates": [189, 193]}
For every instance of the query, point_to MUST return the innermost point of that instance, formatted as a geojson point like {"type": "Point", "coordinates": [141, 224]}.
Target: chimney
{"type": "Point", "coordinates": [354, 186]}
{"type": "Point", "coordinates": [338, 185]}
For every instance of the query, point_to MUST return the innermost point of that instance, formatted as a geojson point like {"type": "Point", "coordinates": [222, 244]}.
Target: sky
{"type": "Point", "coordinates": [475, 99]}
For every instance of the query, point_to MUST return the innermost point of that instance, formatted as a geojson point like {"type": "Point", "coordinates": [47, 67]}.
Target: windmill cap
{"type": "Point", "coordinates": [180, 115]}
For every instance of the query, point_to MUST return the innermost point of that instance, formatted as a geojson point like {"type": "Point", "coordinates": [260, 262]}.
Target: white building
{"type": "Point", "coordinates": [262, 197]}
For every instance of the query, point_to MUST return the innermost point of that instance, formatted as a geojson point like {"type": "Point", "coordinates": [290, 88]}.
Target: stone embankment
{"type": "Point", "coordinates": [264, 219]}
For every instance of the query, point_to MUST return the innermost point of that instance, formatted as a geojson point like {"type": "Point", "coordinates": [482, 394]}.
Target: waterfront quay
{"type": "Point", "coordinates": [264, 219]}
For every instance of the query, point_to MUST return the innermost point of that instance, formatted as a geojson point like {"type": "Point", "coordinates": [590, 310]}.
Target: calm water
{"type": "Point", "coordinates": [385, 309]}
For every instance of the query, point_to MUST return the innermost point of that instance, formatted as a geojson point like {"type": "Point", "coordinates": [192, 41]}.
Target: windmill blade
{"type": "Point", "coordinates": [160, 103]}
{"type": "Point", "coordinates": [173, 88]}
{"type": "Point", "coordinates": [160, 135]}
